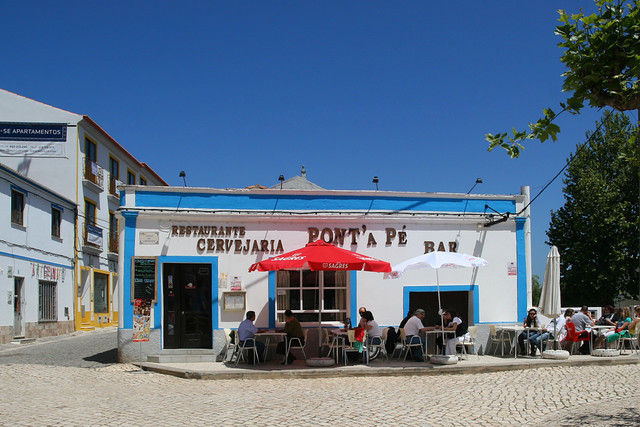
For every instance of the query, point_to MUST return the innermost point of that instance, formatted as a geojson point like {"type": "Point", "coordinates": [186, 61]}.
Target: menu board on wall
{"type": "Point", "coordinates": [144, 278]}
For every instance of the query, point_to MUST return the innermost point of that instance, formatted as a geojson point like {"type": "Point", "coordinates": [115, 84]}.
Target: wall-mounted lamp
{"type": "Point", "coordinates": [478, 181]}
{"type": "Point", "coordinates": [375, 181]}
{"type": "Point", "coordinates": [281, 179]}
{"type": "Point", "coordinates": [183, 175]}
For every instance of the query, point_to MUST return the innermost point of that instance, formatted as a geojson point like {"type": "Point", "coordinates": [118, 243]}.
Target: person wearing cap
{"type": "Point", "coordinates": [412, 329]}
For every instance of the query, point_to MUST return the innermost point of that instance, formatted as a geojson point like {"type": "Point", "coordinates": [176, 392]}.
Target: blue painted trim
{"type": "Point", "coordinates": [60, 208]}
{"type": "Point", "coordinates": [406, 291]}
{"type": "Point", "coordinates": [129, 252]}
{"type": "Point", "coordinates": [521, 261]}
{"type": "Point", "coordinates": [35, 260]}
{"type": "Point", "coordinates": [272, 300]}
{"type": "Point", "coordinates": [321, 202]}
{"type": "Point", "coordinates": [354, 297]}
{"type": "Point", "coordinates": [35, 185]}
{"type": "Point", "coordinates": [20, 190]}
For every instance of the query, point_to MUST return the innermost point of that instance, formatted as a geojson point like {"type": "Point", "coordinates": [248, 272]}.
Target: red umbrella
{"type": "Point", "coordinates": [320, 255]}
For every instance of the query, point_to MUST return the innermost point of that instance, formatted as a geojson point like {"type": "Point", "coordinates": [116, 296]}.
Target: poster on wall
{"type": "Point", "coordinates": [512, 269]}
{"type": "Point", "coordinates": [33, 139]}
{"type": "Point", "coordinates": [141, 320]}
{"type": "Point", "coordinates": [236, 283]}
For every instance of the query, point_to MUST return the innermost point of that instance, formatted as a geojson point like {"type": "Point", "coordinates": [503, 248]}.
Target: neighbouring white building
{"type": "Point", "coordinates": [188, 250]}
{"type": "Point", "coordinates": [36, 259]}
{"type": "Point", "coordinates": [75, 158]}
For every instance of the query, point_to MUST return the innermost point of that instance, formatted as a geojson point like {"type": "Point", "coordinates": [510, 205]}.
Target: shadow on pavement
{"type": "Point", "coordinates": [106, 357]}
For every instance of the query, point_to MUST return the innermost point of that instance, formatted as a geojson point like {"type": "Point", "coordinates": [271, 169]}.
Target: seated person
{"type": "Point", "coordinates": [293, 329]}
{"type": "Point", "coordinates": [609, 317]}
{"type": "Point", "coordinates": [555, 328]}
{"type": "Point", "coordinates": [451, 323]}
{"type": "Point", "coordinates": [412, 329]}
{"type": "Point", "coordinates": [247, 331]}
{"type": "Point", "coordinates": [531, 321]}
{"type": "Point", "coordinates": [374, 332]}
{"type": "Point", "coordinates": [635, 323]}
{"type": "Point", "coordinates": [620, 331]}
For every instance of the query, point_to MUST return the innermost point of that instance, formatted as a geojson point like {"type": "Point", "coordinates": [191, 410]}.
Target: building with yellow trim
{"type": "Point", "coordinates": [72, 156]}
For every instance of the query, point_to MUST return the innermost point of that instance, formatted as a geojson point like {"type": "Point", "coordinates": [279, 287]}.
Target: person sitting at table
{"type": "Point", "coordinates": [293, 329]}
{"type": "Point", "coordinates": [362, 320]}
{"type": "Point", "coordinates": [583, 322]}
{"type": "Point", "coordinates": [555, 328]}
{"type": "Point", "coordinates": [454, 324]}
{"type": "Point", "coordinates": [531, 321]}
{"type": "Point", "coordinates": [635, 323]}
{"type": "Point", "coordinates": [406, 319]}
{"type": "Point", "coordinates": [412, 329]}
{"type": "Point", "coordinates": [620, 331]}
{"type": "Point", "coordinates": [609, 317]}
{"type": "Point", "coordinates": [372, 328]}
{"type": "Point", "coordinates": [247, 331]}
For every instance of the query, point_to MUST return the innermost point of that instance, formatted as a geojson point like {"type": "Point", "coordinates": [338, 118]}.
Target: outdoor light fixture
{"type": "Point", "coordinates": [478, 181]}
{"type": "Point", "coordinates": [281, 179]}
{"type": "Point", "coordinates": [183, 175]}
{"type": "Point", "coordinates": [375, 181]}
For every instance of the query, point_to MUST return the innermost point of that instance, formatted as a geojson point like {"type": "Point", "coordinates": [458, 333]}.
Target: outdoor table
{"type": "Point", "coordinates": [340, 338]}
{"type": "Point", "coordinates": [436, 332]}
{"type": "Point", "coordinates": [267, 335]}
{"type": "Point", "coordinates": [515, 329]}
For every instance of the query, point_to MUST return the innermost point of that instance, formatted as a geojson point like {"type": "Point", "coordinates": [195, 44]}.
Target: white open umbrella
{"type": "Point", "coordinates": [436, 260]}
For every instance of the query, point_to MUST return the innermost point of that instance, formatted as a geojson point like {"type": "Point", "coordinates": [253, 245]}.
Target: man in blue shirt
{"type": "Point", "coordinates": [247, 331]}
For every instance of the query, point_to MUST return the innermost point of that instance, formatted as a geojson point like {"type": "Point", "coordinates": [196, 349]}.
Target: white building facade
{"type": "Point", "coordinates": [200, 243]}
{"type": "Point", "coordinates": [36, 259]}
{"type": "Point", "coordinates": [75, 158]}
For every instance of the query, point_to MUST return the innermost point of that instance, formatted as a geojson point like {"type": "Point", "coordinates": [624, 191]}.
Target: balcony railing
{"type": "Point", "coordinates": [92, 236]}
{"type": "Point", "coordinates": [113, 242]}
{"type": "Point", "coordinates": [113, 186]}
{"type": "Point", "coordinates": [93, 173]}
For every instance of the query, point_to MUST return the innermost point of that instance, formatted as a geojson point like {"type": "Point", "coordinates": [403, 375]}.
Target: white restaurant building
{"type": "Point", "coordinates": [200, 243]}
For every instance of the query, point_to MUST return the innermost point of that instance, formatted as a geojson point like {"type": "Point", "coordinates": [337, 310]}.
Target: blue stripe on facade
{"type": "Point", "coordinates": [522, 268]}
{"type": "Point", "coordinates": [129, 252]}
{"type": "Point", "coordinates": [35, 260]}
{"type": "Point", "coordinates": [354, 298]}
{"type": "Point", "coordinates": [272, 300]}
{"type": "Point", "coordinates": [329, 203]}
{"type": "Point", "coordinates": [406, 294]}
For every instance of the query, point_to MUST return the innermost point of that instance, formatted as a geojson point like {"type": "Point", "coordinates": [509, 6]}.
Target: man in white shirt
{"type": "Point", "coordinates": [412, 329]}
{"type": "Point", "coordinates": [554, 328]}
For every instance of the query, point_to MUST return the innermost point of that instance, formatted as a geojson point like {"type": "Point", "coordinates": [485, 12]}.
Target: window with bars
{"type": "Point", "coordinates": [48, 302]}
{"type": "Point", "coordinates": [313, 296]}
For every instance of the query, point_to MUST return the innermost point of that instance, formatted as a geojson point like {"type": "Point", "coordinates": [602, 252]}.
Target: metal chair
{"type": "Point", "coordinates": [248, 344]}
{"type": "Point", "coordinates": [416, 341]}
{"type": "Point", "coordinates": [500, 340]}
{"type": "Point", "coordinates": [297, 343]}
{"type": "Point", "coordinates": [379, 343]}
{"type": "Point", "coordinates": [632, 340]}
{"type": "Point", "coordinates": [468, 340]}
{"type": "Point", "coordinates": [231, 344]}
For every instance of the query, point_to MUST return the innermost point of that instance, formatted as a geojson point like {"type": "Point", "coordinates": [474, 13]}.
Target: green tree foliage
{"type": "Point", "coordinates": [536, 290]}
{"type": "Point", "coordinates": [597, 231]}
{"type": "Point", "coordinates": [602, 55]}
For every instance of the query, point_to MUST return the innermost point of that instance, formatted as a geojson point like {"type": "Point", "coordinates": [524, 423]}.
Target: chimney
{"type": "Point", "coordinates": [304, 172]}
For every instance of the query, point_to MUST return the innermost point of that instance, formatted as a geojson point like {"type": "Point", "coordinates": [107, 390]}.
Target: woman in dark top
{"type": "Point", "coordinates": [531, 321]}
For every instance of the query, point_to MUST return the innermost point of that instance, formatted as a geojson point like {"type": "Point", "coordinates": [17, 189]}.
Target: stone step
{"type": "Point", "coordinates": [87, 327]}
{"type": "Point", "coordinates": [186, 355]}
{"type": "Point", "coordinates": [19, 340]}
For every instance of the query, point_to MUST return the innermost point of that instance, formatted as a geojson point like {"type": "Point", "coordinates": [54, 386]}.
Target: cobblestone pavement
{"type": "Point", "coordinates": [103, 393]}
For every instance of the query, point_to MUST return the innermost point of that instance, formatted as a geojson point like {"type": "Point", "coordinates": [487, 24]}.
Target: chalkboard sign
{"type": "Point", "coordinates": [144, 278]}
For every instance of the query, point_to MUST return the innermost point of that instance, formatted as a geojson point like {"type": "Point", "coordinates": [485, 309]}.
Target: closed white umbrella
{"type": "Point", "coordinates": [550, 296]}
{"type": "Point", "coordinates": [550, 300]}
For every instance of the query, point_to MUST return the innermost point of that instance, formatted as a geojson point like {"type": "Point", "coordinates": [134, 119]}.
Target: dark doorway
{"type": "Point", "coordinates": [187, 305]}
{"type": "Point", "coordinates": [452, 300]}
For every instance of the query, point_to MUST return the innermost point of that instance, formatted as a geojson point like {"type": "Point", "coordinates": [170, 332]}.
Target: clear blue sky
{"type": "Point", "coordinates": [236, 93]}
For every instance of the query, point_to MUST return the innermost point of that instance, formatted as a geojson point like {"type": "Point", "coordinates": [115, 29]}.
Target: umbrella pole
{"type": "Point", "coordinates": [440, 311]}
